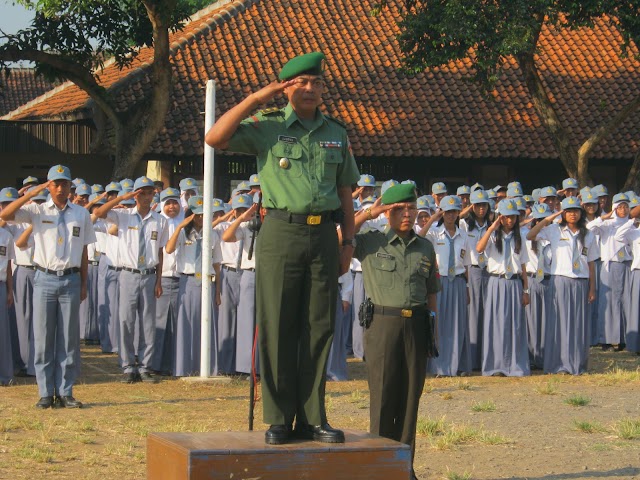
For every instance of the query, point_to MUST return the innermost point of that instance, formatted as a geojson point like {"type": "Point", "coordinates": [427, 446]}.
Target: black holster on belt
{"type": "Point", "coordinates": [365, 313]}
{"type": "Point", "coordinates": [432, 337]}
{"type": "Point", "coordinates": [337, 216]}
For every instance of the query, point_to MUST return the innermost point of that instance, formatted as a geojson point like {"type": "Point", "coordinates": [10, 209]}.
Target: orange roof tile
{"type": "Point", "coordinates": [242, 44]}
{"type": "Point", "coordinates": [19, 86]}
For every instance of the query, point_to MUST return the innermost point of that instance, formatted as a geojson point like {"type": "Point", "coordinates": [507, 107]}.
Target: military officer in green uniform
{"type": "Point", "coordinates": [306, 171]}
{"type": "Point", "coordinates": [401, 278]}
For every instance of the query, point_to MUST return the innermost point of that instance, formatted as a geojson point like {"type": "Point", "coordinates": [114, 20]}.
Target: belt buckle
{"type": "Point", "coordinates": [59, 273]}
{"type": "Point", "coordinates": [314, 219]}
{"type": "Point", "coordinates": [406, 313]}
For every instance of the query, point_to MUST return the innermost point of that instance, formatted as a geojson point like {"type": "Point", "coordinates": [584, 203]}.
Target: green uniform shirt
{"type": "Point", "coordinates": [299, 169]}
{"type": "Point", "coordinates": [397, 274]}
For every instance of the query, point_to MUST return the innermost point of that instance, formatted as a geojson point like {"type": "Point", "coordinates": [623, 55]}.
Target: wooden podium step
{"type": "Point", "coordinates": [244, 455]}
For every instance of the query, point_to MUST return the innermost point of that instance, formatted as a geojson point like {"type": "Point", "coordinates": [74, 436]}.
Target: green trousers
{"type": "Point", "coordinates": [296, 294]}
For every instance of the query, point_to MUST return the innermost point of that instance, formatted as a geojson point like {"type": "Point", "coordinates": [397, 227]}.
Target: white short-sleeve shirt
{"type": "Point", "coordinates": [561, 243]}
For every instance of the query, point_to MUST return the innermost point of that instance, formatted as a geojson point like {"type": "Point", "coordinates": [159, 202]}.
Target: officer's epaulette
{"type": "Point", "coordinates": [269, 111]}
{"type": "Point", "coordinates": [339, 122]}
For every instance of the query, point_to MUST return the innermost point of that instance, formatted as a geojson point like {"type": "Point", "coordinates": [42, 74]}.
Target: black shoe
{"type": "Point", "coordinates": [21, 373]}
{"type": "Point", "coordinates": [69, 402]}
{"type": "Point", "coordinates": [129, 378]}
{"type": "Point", "coordinates": [45, 402]}
{"type": "Point", "coordinates": [146, 377]}
{"type": "Point", "coordinates": [620, 347]}
{"type": "Point", "coordinates": [277, 434]}
{"type": "Point", "coordinates": [606, 347]}
{"type": "Point", "coordinates": [320, 433]}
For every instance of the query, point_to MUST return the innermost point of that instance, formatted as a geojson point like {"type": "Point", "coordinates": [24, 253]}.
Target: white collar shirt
{"type": "Point", "coordinates": [169, 266]}
{"type": "Point", "coordinates": [186, 250]}
{"type": "Point", "coordinates": [22, 256]}
{"type": "Point", "coordinates": [495, 259]}
{"type": "Point", "coordinates": [561, 243]}
{"type": "Point", "coordinates": [243, 235]}
{"type": "Point", "coordinates": [230, 250]}
{"type": "Point", "coordinates": [629, 233]}
{"type": "Point", "coordinates": [610, 249]}
{"type": "Point", "coordinates": [473, 237]}
{"type": "Point", "coordinates": [6, 253]}
{"type": "Point", "coordinates": [44, 219]}
{"type": "Point", "coordinates": [440, 239]}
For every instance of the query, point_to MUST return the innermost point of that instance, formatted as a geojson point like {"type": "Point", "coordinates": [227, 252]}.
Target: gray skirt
{"type": "Point", "coordinates": [505, 347]}
{"type": "Point", "coordinates": [593, 306]}
{"type": "Point", "coordinates": [246, 324]}
{"type": "Point", "coordinates": [567, 334]}
{"type": "Point", "coordinates": [633, 320]}
{"type": "Point", "coordinates": [537, 312]}
{"type": "Point", "coordinates": [453, 334]}
{"type": "Point", "coordinates": [478, 279]}
{"type": "Point", "coordinates": [337, 362]}
{"type": "Point", "coordinates": [89, 307]}
{"type": "Point", "coordinates": [6, 358]}
{"type": "Point", "coordinates": [612, 302]}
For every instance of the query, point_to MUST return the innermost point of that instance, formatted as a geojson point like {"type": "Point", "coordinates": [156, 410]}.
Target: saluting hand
{"type": "Point", "coordinates": [248, 214]}
{"type": "Point", "coordinates": [187, 221]}
{"type": "Point", "coordinates": [496, 224]}
{"type": "Point", "coordinates": [37, 189]}
{"type": "Point", "coordinates": [267, 93]}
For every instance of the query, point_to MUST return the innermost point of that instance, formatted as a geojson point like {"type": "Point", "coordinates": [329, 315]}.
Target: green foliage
{"type": "Point", "coordinates": [435, 32]}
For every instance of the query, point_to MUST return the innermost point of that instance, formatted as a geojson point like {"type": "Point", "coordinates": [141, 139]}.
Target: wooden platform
{"type": "Point", "coordinates": [244, 455]}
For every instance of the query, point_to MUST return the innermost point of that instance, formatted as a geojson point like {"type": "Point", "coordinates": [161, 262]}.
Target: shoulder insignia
{"type": "Point", "coordinates": [339, 122]}
{"type": "Point", "coordinates": [269, 111]}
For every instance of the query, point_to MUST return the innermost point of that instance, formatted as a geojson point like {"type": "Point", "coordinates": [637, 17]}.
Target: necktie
{"type": "Point", "coordinates": [141, 244]}
{"type": "Point", "coordinates": [482, 259]}
{"type": "Point", "coordinates": [452, 260]}
{"type": "Point", "coordinates": [507, 257]}
{"type": "Point", "coordinates": [198, 261]}
{"type": "Point", "coordinates": [239, 257]}
{"type": "Point", "coordinates": [575, 256]}
{"type": "Point", "coordinates": [61, 241]}
{"type": "Point", "coordinates": [541, 259]}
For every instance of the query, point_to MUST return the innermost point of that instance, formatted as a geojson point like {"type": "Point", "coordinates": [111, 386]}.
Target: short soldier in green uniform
{"type": "Point", "coordinates": [401, 278]}
{"type": "Point", "coordinates": [306, 172]}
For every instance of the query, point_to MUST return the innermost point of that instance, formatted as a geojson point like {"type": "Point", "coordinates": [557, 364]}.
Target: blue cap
{"type": "Point", "coordinates": [479, 196]}
{"type": "Point", "coordinates": [8, 194]}
{"type": "Point", "coordinates": [142, 182]}
{"type": "Point", "coordinates": [188, 184]}
{"type": "Point", "coordinates": [254, 180]}
{"type": "Point", "coordinates": [514, 184]}
{"type": "Point", "coordinates": [423, 203]}
{"type": "Point", "coordinates": [620, 197]}
{"type": "Point", "coordinates": [540, 210]}
{"type": "Point", "coordinates": [59, 172]}
{"type": "Point", "coordinates": [386, 185]}
{"type": "Point", "coordinates": [476, 186]}
{"type": "Point", "coordinates": [243, 187]}
{"type": "Point", "coordinates": [497, 188]}
{"type": "Point", "coordinates": [227, 208]}
{"type": "Point", "coordinates": [97, 188]}
{"type": "Point", "coordinates": [129, 202]}
{"type": "Point", "coordinates": [217, 205]}
{"type": "Point", "coordinates": [126, 183]}
{"type": "Point", "coordinates": [570, 202]}
{"type": "Point", "coordinates": [368, 201]}
{"type": "Point", "coordinates": [535, 193]}
{"type": "Point", "coordinates": [438, 188]}
{"type": "Point", "coordinates": [113, 187]}
{"type": "Point", "coordinates": [451, 202]}
{"type": "Point", "coordinates": [241, 201]}
{"type": "Point", "coordinates": [366, 181]}
{"type": "Point", "coordinates": [514, 191]}
{"type": "Point", "coordinates": [93, 196]}
{"type": "Point", "coordinates": [43, 195]}
{"type": "Point", "coordinates": [196, 204]}
{"type": "Point", "coordinates": [600, 191]}
{"type": "Point", "coordinates": [463, 190]}
{"type": "Point", "coordinates": [587, 196]}
{"type": "Point", "coordinates": [30, 180]}
{"type": "Point", "coordinates": [491, 193]}
{"type": "Point", "coordinates": [508, 206]}
{"type": "Point", "coordinates": [169, 193]}
{"type": "Point", "coordinates": [78, 181]}
{"type": "Point", "coordinates": [549, 191]}
{"type": "Point", "coordinates": [83, 189]}
{"type": "Point", "coordinates": [634, 201]}
{"type": "Point", "coordinates": [528, 199]}
{"type": "Point", "coordinates": [522, 205]}
{"type": "Point", "coordinates": [569, 183]}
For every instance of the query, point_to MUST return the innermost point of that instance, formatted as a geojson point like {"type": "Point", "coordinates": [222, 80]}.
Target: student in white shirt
{"type": "Point", "coordinates": [629, 233]}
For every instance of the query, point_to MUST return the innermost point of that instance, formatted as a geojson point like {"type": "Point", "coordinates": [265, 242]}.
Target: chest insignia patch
{"type": "Point", "coordinates": [330, 144]}
{"type": "Point", "coordinates": [3, 251]}
{"type": "Point", "coordinates": [76, 231]}
{"type": "Point", "coordinates": [154, 235]}
{"type": "Point", "coordinates": [287, 139]}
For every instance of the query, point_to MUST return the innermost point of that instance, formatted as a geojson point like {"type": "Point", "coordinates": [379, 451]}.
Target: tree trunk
{"type": "Point", "coordinates": [633, 179]}
{"type": "Point", "coordinates": [546, 111]}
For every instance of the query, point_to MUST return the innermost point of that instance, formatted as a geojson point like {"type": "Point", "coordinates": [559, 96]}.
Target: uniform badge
{"type": "Point", "coordinates": [3, 251]}
{"type": "Point", "coordinates": [75, 231]}
{"type": "Point", "coordinates": [621, 254]}
{"type": "Point", "coordinates": [509, 268]}
{"type": "Point", "coordinates": [576, 265]}
{"type": "Point", "coordinates": [154, 235]}
{"type": "Point", "coordinates": [60, 240]}
{"type": "Point", "coordinates": [287, 139]}
{"type": "Point", "coordinates": [463, 252]}
{"type": "Point", "coordinates": [331, 144]}
{"type": "Point", "coordinates": [141, 260]}
{"type": "Point", "coordinates": [584, 251]}
{"type": "Point", "coordinates": [284, 163]}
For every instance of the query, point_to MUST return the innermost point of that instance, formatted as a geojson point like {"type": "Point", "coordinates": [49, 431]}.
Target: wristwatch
{"type": "Point", "coordinates": [525, 290]}
{"type": "Point", "coordinates": [349, 242]}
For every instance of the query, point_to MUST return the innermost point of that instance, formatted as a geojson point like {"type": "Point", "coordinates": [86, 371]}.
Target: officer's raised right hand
{"type": "Point", "coordinates": [268, 93]}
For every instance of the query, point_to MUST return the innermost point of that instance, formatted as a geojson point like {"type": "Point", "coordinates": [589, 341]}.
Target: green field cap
{"type": "Point", "coordinates": [311, 63]}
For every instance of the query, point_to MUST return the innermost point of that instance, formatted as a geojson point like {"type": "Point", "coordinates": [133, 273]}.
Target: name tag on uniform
{"type": "Point", "coordinates": [287, 139]}
{"type": "Point", "coordinates": [330, 144]}
{"type": "Point", "coordinates": [154, 235]}
{"type": "Point", "coordinates": [472, 236]}
{"type": "Point", "coordinates": [47, 221]}
{"type": "Point", "coordinates": [439, 243]}
{"type": "Point", "coordinates": [3, 251]}
{"type": "Point", "coordinates": [133, 228]}
{"type": "Point", "coordinates": [75, 231]}
{"type": "Point", "coordinates": [385, 255]}
{"type": "Point", "coordinates": [564, 239]}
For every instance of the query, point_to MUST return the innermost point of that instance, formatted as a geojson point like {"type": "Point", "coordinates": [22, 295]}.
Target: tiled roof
{"type": "Point", "coordinates": [242, 44]}
{"type": "Point", "coordinates": [19, 86]}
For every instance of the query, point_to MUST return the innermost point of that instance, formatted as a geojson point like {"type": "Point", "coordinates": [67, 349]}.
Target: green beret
{"type": "Point", "coordinates": [404, 192]}
{"type": "Point", "coordinates": [310, 63]}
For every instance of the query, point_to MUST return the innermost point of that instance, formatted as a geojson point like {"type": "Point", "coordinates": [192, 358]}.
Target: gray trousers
{"type": "Point", "coordinates": [228, 320]}
{"type": "Point", "coordinates": [89, 307]}
{"type": "Point", "coordinates": [357, 342]}
{"type": "Point", "coordinates": [108, 323]}
{"type": "Point", "coordinates": [137, 301]}
{"type": "Point", "coordinates": [246, 323]}
{"type": "Point", "coordinates": [56, 332]}
{"type": "Point", "coordinates": [23, 302]}
{"type": "Point", "coordinates": [166, 315]}
{"type": "Point", "coordinates": [6, 360]}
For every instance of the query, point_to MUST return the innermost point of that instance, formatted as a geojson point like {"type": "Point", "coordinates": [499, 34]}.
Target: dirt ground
{"type": "Point", "coordinates": [540, 427]}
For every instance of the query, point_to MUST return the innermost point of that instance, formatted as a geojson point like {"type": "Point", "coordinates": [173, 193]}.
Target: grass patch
{"type": "Point", "coordinates": [628, 429]}
{"type": "Point", "coordinates": [588, 427]}
{"type": "Point", "coordinates": [486, 406]}
{"type": "Point", "coordinates": [578, 400]}
{"type": "Point", "coordinates": [446, 396]}
{"type": "Point", "coordinates": [430, 428]}
{"type": "Point", "coordinates": [617, 375]}
{"type": "Point", "coordinates": [464, 385]}
{"type": "Point", "coordinates": [444, 436]}
{"type": "Point", "coordinates": [457, 476]}
{"type": "Point", "coordinates": [548, 388]}
{"type": "Point", "coordinates": [35, 452]}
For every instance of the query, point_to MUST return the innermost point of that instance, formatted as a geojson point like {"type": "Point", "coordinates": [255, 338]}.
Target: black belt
{"type": "Point", "coordinates": [249, 269]}
{"type": "Point", "coordinates": [231, 269]}
{"type": "Point", "coordinates": [533, 275]}
{"type": "Point", "coordinates": [28, 267]}
{"type": "Point", "coordinates": [476, 266]}
{"type": "Point", "coordinates": [58, 273]}
{"type": "Point", "coordinates": [115, 269]}
{"type": "Point", "coordinates": [515, 276]}
{"type": "Point", "coordinates": [398, 312]}
{"type": "Point", "coordinates": [144, 271]}
{"type": "Point", "coordinates": [95, 263]}
{"type": "Point", "coordinates": [172, 278]}
{"type": "Point", "coordinates": [302, 219]}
